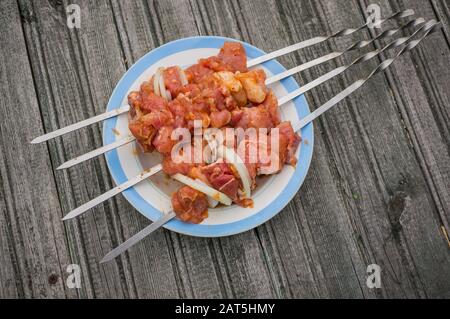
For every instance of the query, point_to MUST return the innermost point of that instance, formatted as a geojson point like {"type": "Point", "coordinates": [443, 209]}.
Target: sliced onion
{"type": "Point", "coordinates": [183, 77]}
{"type": "Point", "coordinates": [162, 87]}
{"type": "Point", "coordinates": [212, 203]}
{"type": "Point", "coordinates": [233, 158]}
{"type": "Point", "coordinates": [156, 82]}
{"type": "Point", "coordinates": [203, 188]}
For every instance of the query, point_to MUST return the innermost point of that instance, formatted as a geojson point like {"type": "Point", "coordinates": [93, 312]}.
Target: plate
{"type": "Point", "coordinates": [152, 197]}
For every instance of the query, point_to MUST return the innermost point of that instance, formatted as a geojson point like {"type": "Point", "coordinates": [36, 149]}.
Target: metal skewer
{"type": "Point", "coordinates": [113, 192]}
{"type": "Point", "coordinates": [398, 42]}
{"type": "Point", "coordinates": [278, 77]}
{"type": "Point", "coordinates": [78, 125]}
{"type": "Point", "coordinates": [138, 237]}
{"type": "Point", "coordinates": [364, 58]}
{"type": "Point", "coordinates": [256, 61]}
{"type": "Point", "coordinates": [334, 55]}
{"type": "Point", "coordinates": [317, 40]}
{"type": "Point", "coordinates": [431, 26]}
{"type": "Point", "coordinates": [99, 151]}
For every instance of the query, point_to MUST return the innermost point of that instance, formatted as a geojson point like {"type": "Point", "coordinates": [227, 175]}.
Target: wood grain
{"type": "Point", "coordinates": [377, 190]}
{"type": "Point", "coordinates": [33, 251]}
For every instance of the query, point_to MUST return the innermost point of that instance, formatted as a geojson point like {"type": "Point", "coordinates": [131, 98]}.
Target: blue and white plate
{"type": "Point", "coordinates": [151, 197]}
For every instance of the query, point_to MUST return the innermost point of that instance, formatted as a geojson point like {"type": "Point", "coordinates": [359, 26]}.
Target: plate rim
{"type": "Point", "coordinates": [199, 230]}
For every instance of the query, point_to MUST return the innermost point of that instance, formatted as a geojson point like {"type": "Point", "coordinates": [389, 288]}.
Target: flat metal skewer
{"type": "Point", "coordinates": [396, 43]}
{"type": "Point", "coordinates": [251, 63]}
{"type": "Point", "coordinates": [113, 192]}
{"type": "Point", "coordinates": [99, 151]}
{"type": "Point", "coordinates": [138, 237]}
{"type": "Point", "coordinates": [364, 58]}
{"type": "Point", "coordinates": [431, 27]}
{"type": "Point", "coordinates": [278, 77]}
{"type": "Point", "coordinates": [334, 55]}
{"type": "Point", "coordinates": [317, 40]}
{"type": "Point", "coordinates": [78, 125]}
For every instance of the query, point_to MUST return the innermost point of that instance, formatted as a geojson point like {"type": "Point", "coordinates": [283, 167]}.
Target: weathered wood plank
{"type": "Point", "coordinates": [33, 253]}
{"type": "Point", "coordinates": [365, 147]}
{"type": "Point", "coordinates": [442, 11]}
{"type": "Point", "coordinates": [420, 86]}
{"type": "Point", "coordinates": [368, 154]}
{"type": "Point", "coordinates": [76, 71]}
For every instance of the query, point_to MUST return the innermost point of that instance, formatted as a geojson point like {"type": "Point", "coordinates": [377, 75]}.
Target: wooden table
{"type": "Point", "coordinates": [377, 191]}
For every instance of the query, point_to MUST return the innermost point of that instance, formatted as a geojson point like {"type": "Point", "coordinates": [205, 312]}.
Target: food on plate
{"type": "Point", "coordinates": [191, 205]}
{"type": "Point", "coordinates": [218, 93]}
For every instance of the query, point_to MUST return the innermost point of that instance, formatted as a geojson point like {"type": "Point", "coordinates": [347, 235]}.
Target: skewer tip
{"type": "Point", "coordinates": [37, 140]}
{"type": "Point", "coordinates": [64, 165]}
{"type": "Point", "coordinates": [108, 257]}
{"type": "Point", "coordinates": [67, 217]}
{"type": "Point", "coordinates": [73, 213]}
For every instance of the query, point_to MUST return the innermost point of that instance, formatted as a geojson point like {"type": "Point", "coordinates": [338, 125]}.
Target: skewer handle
{"type": "Point", "coordinates": [430, 27]}
{"type": "Point", "coordinates": [317, 40]}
